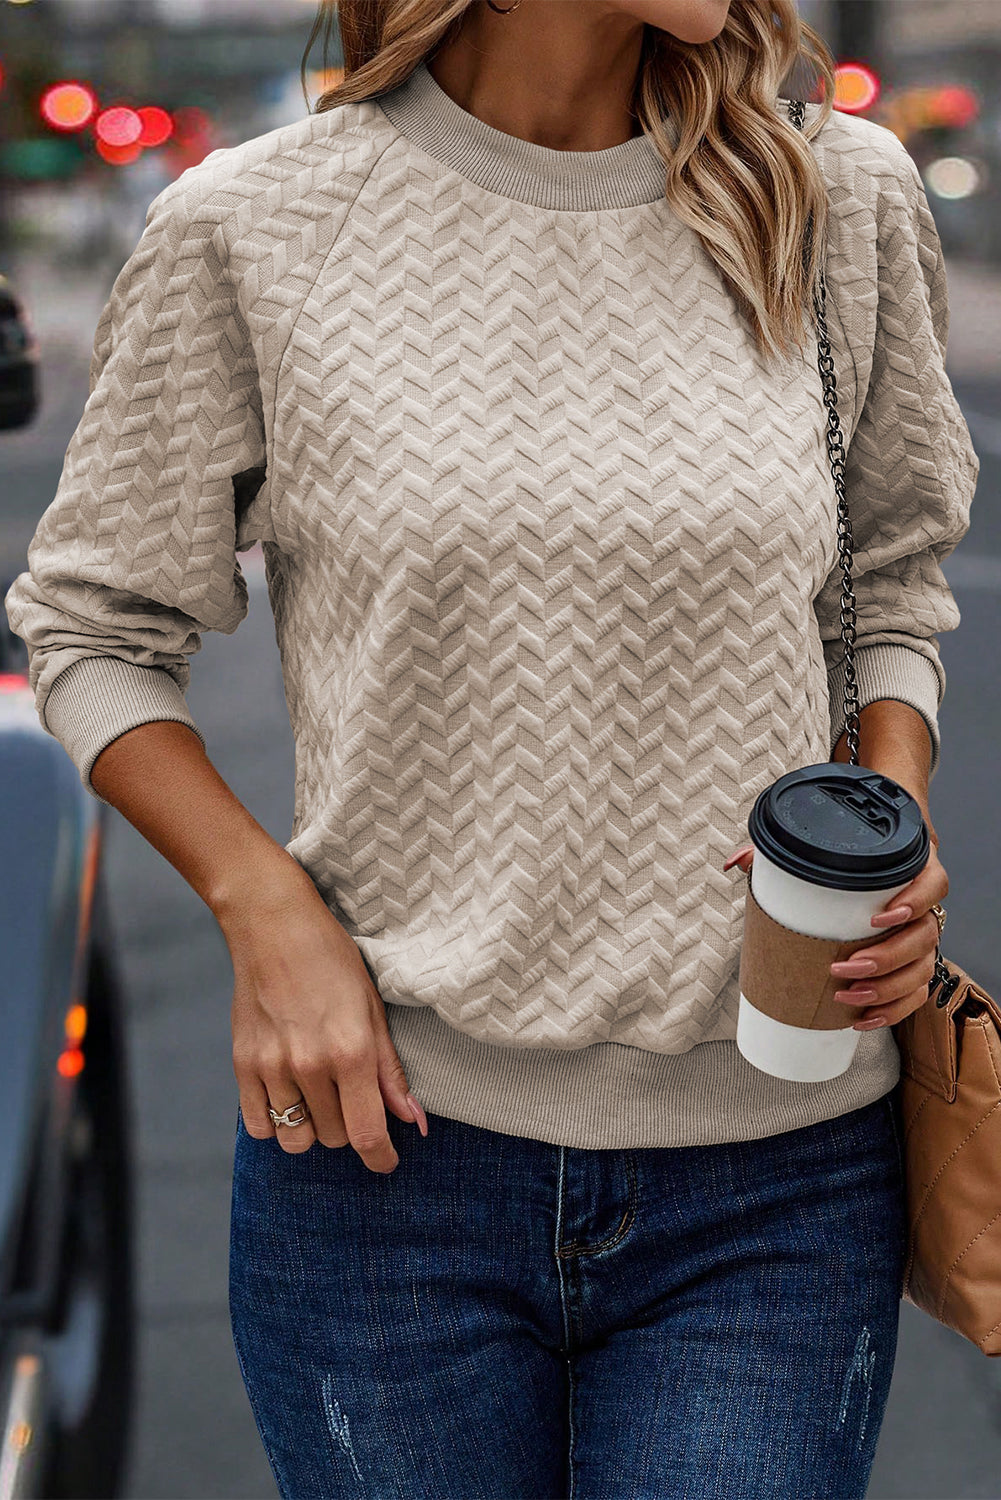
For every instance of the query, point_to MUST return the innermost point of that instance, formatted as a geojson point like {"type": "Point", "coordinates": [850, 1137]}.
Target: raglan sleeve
{"type": "Point", "coordinates": [910, 472]}
{"type": "Point", "coordinates": [136, 554]}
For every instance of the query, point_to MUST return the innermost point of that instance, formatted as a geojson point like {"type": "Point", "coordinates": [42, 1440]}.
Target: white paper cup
{"type": "Point", "coordinates": [798, 1053]}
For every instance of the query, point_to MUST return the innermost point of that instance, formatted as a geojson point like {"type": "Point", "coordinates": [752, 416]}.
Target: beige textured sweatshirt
{"type": "Point", "coordinates": [552, 557]}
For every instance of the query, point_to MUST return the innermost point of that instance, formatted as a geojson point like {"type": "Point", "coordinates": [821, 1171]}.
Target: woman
{"type": "Point", "coordinates": [505, 354]}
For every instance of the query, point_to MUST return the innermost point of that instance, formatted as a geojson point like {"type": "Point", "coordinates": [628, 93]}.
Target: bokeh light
{"type": "Point", "coordinates": [76, 1024]}
{"type": "Point", "coordinates": [190, 123]}
{"type": "Point", "coordinates": [70, 1062]}
{"type": "Point", "coordinates": [954, 177]}
{"type": "Point", "coordinates": [118, 156]}
{"type": "Point", "coordinates": [856, 87]}
{"type": "Point", "coordinates": [118, 126]}
{"type": "Point", "coordinates": [955, 106]}
{"type": "Point", "coordinates": [68, 106]}
{"type": "Point", "coordinates": [157, 125]}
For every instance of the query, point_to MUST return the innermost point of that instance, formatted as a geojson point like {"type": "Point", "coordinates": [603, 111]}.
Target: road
{"type": "Point", "coordinates": [195, 1436]}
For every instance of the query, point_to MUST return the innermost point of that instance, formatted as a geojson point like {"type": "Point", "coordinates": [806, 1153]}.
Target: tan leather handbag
{"type": "Point", "coordinates": [948, 1100]}
{"type": "Point", "coordinates": [950, 1109]}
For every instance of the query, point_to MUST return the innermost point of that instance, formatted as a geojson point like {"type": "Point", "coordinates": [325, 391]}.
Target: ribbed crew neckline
{"type": "Point", "coordinates": [618, 177]}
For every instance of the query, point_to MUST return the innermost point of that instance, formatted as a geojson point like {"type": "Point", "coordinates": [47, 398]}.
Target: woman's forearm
{"type": "Point", "coordinates": [893, 738]}
{"type": "Point", "coordinates": [159, 777]}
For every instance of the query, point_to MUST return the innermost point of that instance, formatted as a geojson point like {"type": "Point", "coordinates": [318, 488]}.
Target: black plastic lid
{"type": "Point", "coordinates": [841, 826]}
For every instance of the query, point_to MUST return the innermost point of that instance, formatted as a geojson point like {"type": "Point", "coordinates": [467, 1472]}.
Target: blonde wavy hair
{"type": "Point", "coordinates": [742, 176]}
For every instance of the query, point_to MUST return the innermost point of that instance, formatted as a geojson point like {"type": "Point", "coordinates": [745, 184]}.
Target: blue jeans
{"type": "Point", "coordinates": [504, 1319]}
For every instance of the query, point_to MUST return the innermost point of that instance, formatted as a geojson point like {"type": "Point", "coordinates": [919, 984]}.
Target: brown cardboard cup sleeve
{"type": "Point", "coordinates": [787, 974]}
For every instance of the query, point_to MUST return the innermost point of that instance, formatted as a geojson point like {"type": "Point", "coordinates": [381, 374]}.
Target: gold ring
{"type": "Point", "coordinates": [939, 916]}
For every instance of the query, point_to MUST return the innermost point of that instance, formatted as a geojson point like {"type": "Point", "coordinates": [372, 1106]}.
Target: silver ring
{"type": "Point", "coordinates": [285, 1118]}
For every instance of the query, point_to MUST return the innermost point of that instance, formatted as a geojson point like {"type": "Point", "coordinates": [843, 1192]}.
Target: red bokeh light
{"type": "Point", "coordinates": [68, 106]}
{"type": "Point", "coordinates": [118, 156]}
{"type": "Point", "coordinates": [190, 123]}
{"type": "Point", "coordinates": [118, 126]}
{"type": "Point", "coordinates": [956, 106]}
{"type": "Point", "coordinates": [70, 1062]}
{"type": "Point", "coordinates": [157, 125]}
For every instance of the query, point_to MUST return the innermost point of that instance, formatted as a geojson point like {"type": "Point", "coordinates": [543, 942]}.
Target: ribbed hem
{"type": "Point", "coordinates": [609, 1096]}
{"type": "Point", "coordinates": [890, 671]}
{"type": "Point", "coordinates": [97, 698]}
{"type": "Point", "coordinates": [622, 176]}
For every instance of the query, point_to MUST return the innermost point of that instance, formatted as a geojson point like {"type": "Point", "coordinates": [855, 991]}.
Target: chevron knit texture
{"type": "Point", "coordinates": [552, 557]}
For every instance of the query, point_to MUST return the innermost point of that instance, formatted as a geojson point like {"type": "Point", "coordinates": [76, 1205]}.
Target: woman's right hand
{"type": "Point", "coordinates": [309, 1022]}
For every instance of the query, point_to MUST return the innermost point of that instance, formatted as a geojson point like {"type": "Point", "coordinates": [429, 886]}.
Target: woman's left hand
{"type": "Point", "coordinates": [901, 965]}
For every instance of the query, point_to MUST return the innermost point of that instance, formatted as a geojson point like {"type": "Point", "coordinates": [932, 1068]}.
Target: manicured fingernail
{"type": "Point", "coordinates": [738, 854]}
{"type": "Point", "coordinates": [854, 968]}
{"type": "Point", "coordinates": [889, 918]}
{"type": "Point", "coordinates": [869, 1025]}
{"type": "Point", "coordinates": [419, 1116]}
{"type": "Point", "coordinates": [855, 997]}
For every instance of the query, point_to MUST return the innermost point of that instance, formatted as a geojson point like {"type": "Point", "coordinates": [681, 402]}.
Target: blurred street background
{"type": "Point", "coordinates": [212, 73]}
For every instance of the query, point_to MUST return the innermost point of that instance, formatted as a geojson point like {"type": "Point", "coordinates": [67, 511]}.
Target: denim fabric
{"type": "Point", "coordinates": [501, 1318]}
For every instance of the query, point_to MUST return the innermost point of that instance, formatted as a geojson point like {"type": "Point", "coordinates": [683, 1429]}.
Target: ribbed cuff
{"type": "Point", "coordinates": [97, 698]}
{"type": "Point", "coordinates": [889, 671]}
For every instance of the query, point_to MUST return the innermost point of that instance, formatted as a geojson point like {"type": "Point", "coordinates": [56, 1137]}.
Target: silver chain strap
{"type": "Point", "coordinates": [836, 455]}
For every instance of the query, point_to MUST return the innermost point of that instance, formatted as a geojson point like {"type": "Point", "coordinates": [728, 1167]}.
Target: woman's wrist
{"type": "Point", "coordinates": [250, 899]}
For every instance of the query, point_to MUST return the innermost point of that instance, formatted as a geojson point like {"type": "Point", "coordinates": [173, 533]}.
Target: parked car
{"type": "Point", "coordinates": [19, 360]}
{"type": "Point", "coordinates": [67, 1310]}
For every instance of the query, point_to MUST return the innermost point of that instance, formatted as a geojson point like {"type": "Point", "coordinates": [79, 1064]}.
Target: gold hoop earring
{"type": "Point", "coordinates": [501, 12]}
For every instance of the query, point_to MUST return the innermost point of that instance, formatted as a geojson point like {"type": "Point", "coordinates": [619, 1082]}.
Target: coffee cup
{"type": "Point", "coordinates": [833, 844]}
